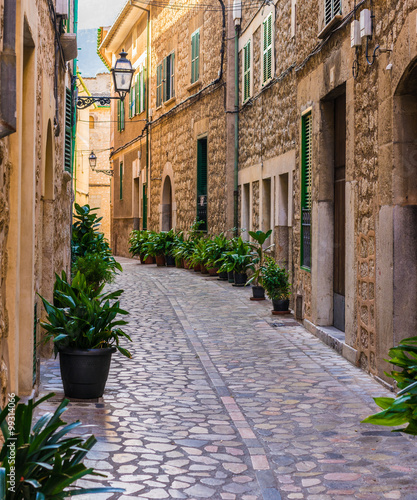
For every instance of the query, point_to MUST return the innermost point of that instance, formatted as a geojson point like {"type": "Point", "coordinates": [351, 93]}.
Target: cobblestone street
{"type": "Point", "coordinates": [224, 401]}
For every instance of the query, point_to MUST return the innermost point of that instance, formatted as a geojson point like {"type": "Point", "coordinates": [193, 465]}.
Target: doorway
{"type": "Point", "coordinates": [339, 212]}
{"type": "Point", "coordinates": [167, 205]}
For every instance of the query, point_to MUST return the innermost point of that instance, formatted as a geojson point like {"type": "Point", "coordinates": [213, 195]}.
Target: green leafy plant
{"type": "Point", "coordinates": [275, 280]}
{"type": "Point", "coordinates": [184, 249]}
{"type": "Point", "coordinates": [137, 241]}
{"type": "Point", "coordinates": [259, 258]}
{"type": "Point", "coordinates": [200, 255]}
{"type": "Point", "coordinates": [41, 461]}
{"type": "Point", "coordinates": [216, 247]}
{"type": "Point", "coordinates": [156, 244]}
{"type": "Point", "coordinates": [239, 259]}
{"type": "Point", "coordinates": [96, 269]}
{"type": "Point", "coordinates": [83, 318]}
{"type": "Point", "coordinates": [195, 232]}
{"type": "Point", "coordinates": [402, 409]}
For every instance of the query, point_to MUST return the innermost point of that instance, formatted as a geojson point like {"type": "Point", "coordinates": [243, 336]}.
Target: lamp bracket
{"type": "Point", "coordinates": [84, 102]}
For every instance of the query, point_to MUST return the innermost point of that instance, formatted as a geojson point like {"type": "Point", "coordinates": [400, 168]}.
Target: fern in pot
{"type": "Point", "coordinates": [82, 323]}
{"type": "Point", "coordinates": [275, 280]}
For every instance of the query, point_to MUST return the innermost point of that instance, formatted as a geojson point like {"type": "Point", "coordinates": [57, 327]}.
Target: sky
{"type": "Point", "coordinates": [96, 13]}
{"type": "Point", "coordinates": [91, 15]}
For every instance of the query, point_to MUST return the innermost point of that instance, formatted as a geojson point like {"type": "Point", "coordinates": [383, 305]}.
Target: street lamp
{"type": "Point", "coordinates": [122, 75]}
{"type": "Point", "coordinates": [122, 78]}
{"type": "Point", "coordinates": [93, 160]}
{"type": "Point", "coordinates": [93, 163]}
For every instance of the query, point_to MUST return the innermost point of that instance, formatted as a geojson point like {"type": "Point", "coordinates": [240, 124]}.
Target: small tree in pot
{"type": "Point", "coordinates": [83, 326]}
{"type": "Point", "coordinates": [259, 258]}
{"type": "Point", "coordinates": [275, 280]}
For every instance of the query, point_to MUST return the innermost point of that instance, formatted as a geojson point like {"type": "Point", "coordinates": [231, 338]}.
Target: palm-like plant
{"type": "Point", "coordinates": [46, 460]}
{"type": "Point", "coordinates": [200, 255]}
{"type": "Point", "coordinates": [216, 247]}
{"type": "Point", "coordinates": [259, 254]}
{"type": "Point", "coordinates": [82, 317]}
{"type": "Point", "coordinates": [239, 259]}
{"type": "Point", "coordinates": [137, 240]}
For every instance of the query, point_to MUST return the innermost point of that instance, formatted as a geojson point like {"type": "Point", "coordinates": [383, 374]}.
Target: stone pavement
{"type": "Point", "coordinates": [224, 401]}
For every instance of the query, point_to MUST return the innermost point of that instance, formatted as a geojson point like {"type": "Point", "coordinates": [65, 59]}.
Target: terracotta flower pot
{"type": "Point", "coordinates": [203, 269]}
{"type": "Point", "coordinates": [186, 264]}
{"type": "Point", "coordinates": [160, 260]}
{"type": "Point", "coordinates": [213, 271]}
{"type": "Point", "coordinates": [149, 260]}
{"type": "Point", "coordinates": [197, 268]}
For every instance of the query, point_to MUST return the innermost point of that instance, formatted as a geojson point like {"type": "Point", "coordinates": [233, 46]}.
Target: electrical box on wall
{"type": "Point", "coordinates": [62, 8]}
{"type": "Point", "coordinates": [355, 34]}
{"type": "Point", "coordinates": [366, 23]}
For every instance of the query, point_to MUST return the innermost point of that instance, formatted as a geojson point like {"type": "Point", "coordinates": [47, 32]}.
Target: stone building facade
{"type": "Point", "coordinates": [92, 186]}
{"type": "Point", "coordinates": [35, 176]}
{"type": "Point", "coordinates": [327, 159]}
{"type": "Point", "coordinates": [181, 130]}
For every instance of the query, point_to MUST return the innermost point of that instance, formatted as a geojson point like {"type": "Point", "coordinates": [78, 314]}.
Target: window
{"type": "Point", "coordinates": [195, 56]}
{"type": "Point", "coordinates": [267, 50]}
{"type": "Point", "coordinates": [68, 130]}
{"type": "Point", "coordinates": [121, 180]}
{"type": "Point", "coordinates": [91, 122]}
{"type": "Point", "coordinates": [202, 182]}
{"type": "Point", "coordinates": [165, 82]}
{"type": "Point", "coordinates": [120, 115]}
{"type": "Point", "coordinates": [306, 165]}
{"type": "Point", "coordinates": [168, 79]}
{"type": "Point", "coordinates": [138, 94]}
{"type": "Point", "coordinates": [331, 9]}
{"type": "Point", "coordinates": [246, 72]}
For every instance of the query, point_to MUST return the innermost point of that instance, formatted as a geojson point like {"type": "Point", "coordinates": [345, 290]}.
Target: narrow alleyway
{"type": "Point", "coordinates": [223, 401]}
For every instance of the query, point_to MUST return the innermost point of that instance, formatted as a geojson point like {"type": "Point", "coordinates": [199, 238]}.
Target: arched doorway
{"type": "Point", "coordinates": [166, 223]}
{"type": "Point", "coordinates": [405, 205]}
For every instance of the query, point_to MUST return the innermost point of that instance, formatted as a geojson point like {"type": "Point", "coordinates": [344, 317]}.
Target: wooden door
{"type": "Point", "coordinates": [339, 212]}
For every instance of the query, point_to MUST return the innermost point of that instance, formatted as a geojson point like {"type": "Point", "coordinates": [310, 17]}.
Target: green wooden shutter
{"type": "Point", "coordinates": [121, 180]}
{"type": "Point", "coordinates": [35, 342]}
{"type": "Point", "coordinates": [306, 184]}
{"type": "Point", "coordinates": [267, 49]}
{"type": "Point", "coordinates": [172, 76]}
{"type": "Point", "coordinates": [332, 8]}
{"type": "Point", "coordinates": [202, 193]}
{"type": "Point", "coordinates": [143, 90]}
{"type": "Point", "coordinates": [159, 86]}
{"type": "Point", "coordinates": [122, 115]}
{"type": "Point", "coordinates": [68, 130]}
{"type": "Point", "coordinates": [137, 92]}
{"type": "Point", "coordinates": [145, 208]}
{"type": "Point", "coordinates": [246, 71]}
{"type": "Point", "coordinates": [165, 80]}
{"type": "Point", "coordinates": [195, 56]}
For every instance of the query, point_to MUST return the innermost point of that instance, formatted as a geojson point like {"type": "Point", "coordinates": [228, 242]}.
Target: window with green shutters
{"type": "Point", "coordinates": [246, 71]}
{"type": "Point", "coordinates": [145, 208]}
{"type": "Point", "coordinates": [132, 101]}
{"type": "Point", "coordinates": [68, 130]}
{"type": "Point", "coordinates": [306, 183]}
{"type": "Point", "coordinates": [168, 77]}
{"type": "Point", "coordinates": [121, 180]}
{"type": "Point", "coordinates": [159, 85]}
{"type": "Point", "coordinates": [267, 49]}
{"type": "Point", "coordinates": [195, 56]}
{"type": "Point", "coordinates": [331, 9]}
{"type": "Point", "coordinates": [202, 182]}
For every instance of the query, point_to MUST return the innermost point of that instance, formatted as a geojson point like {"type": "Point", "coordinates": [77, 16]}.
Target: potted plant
{"type": "Point", "coordinates": [83, 326]}
{"type": "Point", "coordinates": [215, 249]}
{"type": "Point", "coordinates": [137, 245]}
{"type": "Point", "coordinates": [238, 260]}
{"type": "Point", "coordinates": [43, 460]}
{"type": "Point", "coordinates": [155, 247]}
{"type": "Point", "coordinates": [170, 241]}
{"type": "Point", "coordinates": [260, 237]}
{"type": "Point", "coordinates": [276, 284]}
{"type": "Point", "coordinates": [183, 251]}
{"type": "Point", "coordinates": [199, 256]}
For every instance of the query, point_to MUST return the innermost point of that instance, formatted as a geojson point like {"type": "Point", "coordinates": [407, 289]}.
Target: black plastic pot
{"type": "Point", "coordinates": [170, 261]}
{"type": "Point", "coordinates": [223, 276]}
{"type": "Point", "coordinates": [84, 372]}
{"type": "Point", "coordinates": [231, 277]}
{"type": "Point", "coordinates": [258, 292]}
{"type": "Point", "coordinates": [241, 279]}
{"type": "Point", "coordinates": [281, 305]}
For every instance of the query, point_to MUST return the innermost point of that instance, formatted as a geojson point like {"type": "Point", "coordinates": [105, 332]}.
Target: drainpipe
{"type": "Point", "coordinates": [237, 16]}
{"type": "Point", "coordinates": [74, 90]}
{"type": "Point", "coordinates": [148, 71]}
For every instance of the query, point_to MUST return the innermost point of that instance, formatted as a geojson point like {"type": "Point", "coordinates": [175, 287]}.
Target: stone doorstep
{"type": "Point", "coordinates": [334, 338]}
